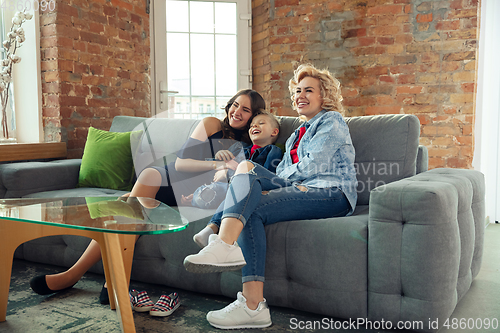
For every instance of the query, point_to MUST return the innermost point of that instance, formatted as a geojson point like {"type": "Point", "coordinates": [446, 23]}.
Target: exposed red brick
{"type": "Point", "coordinates": [78, 48]}
{"type": "Point", "coordinates": [282, 3]}
{"type": "Point", "coordinates": [123, 4]}
{"type": "Point", "coordinates": [385, 40]}
{"type": "Point", "coordinates": [387, 79]}
{"type": "Point", "coordinates": [422, 18]}
{"type": "Point", "coordinates": [468, 87]}
{"type": "Point", "coordinates": [409, 90]}
{"type": "Point", "coordinates": [386, 10]}
{"type": "Point", "coordinates": [373, 110]}
{"type": "Point", "coordinates": [448, 25]}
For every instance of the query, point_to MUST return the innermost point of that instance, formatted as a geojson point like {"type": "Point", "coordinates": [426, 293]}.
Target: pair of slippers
{"type": "Point", "coordinates": [165, 306]}
{"type": "Point", "coordinates": [140, 300]}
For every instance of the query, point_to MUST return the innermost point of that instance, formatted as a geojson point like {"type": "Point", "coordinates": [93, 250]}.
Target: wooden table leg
{"type": "Point", "coordinates": [118, 282]}
{"type": "Point", "coordinates": [127, 245]}
{"type": "Point", "coordinates": [6, 256]}
{"type": "Point", "coordinates": [12, 234]}
{"type": "Point", "coordinates": [117, 252]}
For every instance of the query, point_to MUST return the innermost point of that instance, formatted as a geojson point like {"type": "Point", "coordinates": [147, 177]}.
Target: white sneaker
{"type": "Point", "coordinates": [238, 315]}
{"type": "Point", "coordinates": [217, 256]}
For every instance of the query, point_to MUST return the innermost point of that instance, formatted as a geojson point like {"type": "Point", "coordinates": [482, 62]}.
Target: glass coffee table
{"type": "Point", "coordinates": [113, 222]}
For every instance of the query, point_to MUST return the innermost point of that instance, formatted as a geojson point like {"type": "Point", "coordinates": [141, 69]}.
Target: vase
{"type": "Point", "coordinates": [8, 122]}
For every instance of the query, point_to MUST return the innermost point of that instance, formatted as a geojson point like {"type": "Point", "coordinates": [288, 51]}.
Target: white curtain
{"type": "Point", "coordinates": [487, 127]}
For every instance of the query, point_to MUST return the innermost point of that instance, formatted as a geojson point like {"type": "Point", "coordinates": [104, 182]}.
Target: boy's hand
{"type": "Point", "coordinates": [220, 176]}
{"type": "Point", "coordinates": [232, 164]}
{"type": "Point", "coordinates": [224, 155]}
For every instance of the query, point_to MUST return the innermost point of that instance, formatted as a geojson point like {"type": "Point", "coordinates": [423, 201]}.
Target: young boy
{"type": "Point", "coordinates": [263, 132]}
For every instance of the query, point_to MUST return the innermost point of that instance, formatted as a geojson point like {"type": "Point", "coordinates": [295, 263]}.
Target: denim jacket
{"type": "Point", "coordinates": [326, 156]}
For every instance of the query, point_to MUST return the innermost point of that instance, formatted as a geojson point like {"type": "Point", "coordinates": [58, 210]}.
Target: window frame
{"type": "Point", "coordinates": [159, 100]}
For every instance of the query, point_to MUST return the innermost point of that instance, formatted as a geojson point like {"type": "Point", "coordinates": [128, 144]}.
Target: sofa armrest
{"type": "Point", "coordinates": [425, 245]}
{"type": "Point", "coordinates": [20, 179]}
{"type": "Point", "coordinates": [422, 159]}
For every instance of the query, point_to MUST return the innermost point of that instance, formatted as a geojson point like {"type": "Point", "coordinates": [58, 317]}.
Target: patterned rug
{"type": "Point", "coordinates": [78, 309]}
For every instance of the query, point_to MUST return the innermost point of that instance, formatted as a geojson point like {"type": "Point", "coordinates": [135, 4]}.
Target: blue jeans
{"type": "Point", "coordinates": [284, 202]}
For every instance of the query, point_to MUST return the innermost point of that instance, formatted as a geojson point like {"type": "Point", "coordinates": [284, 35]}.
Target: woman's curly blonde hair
{"type": "Point", "coordinates": [330, 86]}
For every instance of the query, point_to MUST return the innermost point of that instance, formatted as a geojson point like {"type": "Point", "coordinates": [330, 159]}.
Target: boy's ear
{"type": "Point", "coordinates": [275, 132]}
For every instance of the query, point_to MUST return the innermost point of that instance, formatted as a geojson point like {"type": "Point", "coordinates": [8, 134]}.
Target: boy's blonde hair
{"type": "Point", "coordinates": [329, 85]}
{"type": "Point", "coordinates": [274, 121]}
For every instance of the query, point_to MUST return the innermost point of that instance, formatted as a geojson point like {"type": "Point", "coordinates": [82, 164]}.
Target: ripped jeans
{"type": "Point", "coordinates": [284, 202]}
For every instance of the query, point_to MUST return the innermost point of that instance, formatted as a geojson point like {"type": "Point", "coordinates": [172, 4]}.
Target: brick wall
{"type": "Point", "coordinates": [95, 65]}
{"type": "Point", "coordinates": [391, 56]}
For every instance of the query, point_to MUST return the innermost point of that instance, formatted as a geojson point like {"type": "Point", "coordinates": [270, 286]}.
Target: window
{"type": "Point", "coordinates": [201, 55]}
{"type": "Point", "coordinates": [26, 80]}
{"type": "Point", "coordinates": [9, 114]}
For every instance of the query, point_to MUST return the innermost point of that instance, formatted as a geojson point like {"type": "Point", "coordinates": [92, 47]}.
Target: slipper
{"type": "Point", "coordinates": [140, 301]}
{"type": "Point", "coordinates": [166, 305]}
{"type": "Point", "coordinates": [104, 296]}
{"type": "Point", "coordinates": [39, 286]}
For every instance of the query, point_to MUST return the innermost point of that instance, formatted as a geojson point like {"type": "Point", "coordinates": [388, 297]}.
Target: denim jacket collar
{"type": "Point", "coordinates": [315, 118]}
{"type": "Point", "coordinates": [307, 124]}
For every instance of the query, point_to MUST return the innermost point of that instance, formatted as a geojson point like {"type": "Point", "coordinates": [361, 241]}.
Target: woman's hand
{"type": "Point", "coordinates": [220, 176]}
{"type": "Point", "coordinates": [186, 200]}
{"type": "Point", "coordinates": [224, 155]}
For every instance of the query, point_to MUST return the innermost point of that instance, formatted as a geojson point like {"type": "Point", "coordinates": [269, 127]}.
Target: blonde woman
{"type": "Point", "coordinates": [316, 179]}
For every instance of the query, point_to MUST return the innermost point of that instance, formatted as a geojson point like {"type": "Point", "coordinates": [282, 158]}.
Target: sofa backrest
{"type": "Point", "coordinates": [160, 140]}
{"type": "Point", "coordinates": [386, 149]}
{"type": "Point", "coordinates": [386, 145]}
{"type": "Point", "coordinates": [163, 137]}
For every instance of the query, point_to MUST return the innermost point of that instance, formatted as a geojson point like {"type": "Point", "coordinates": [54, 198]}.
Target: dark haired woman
{"type": "Point", "coordinates": [193, 159]}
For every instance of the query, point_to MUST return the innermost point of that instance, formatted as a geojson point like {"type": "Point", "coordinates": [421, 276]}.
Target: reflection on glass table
{"type": "Point", "coordinates": [137, 216]}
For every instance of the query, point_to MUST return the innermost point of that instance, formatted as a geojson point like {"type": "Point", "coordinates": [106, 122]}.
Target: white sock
{"type": "Point", "coordinates": [201, 238]}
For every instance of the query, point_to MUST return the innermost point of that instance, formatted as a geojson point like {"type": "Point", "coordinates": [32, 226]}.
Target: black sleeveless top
{"type": "Point", "coordinates": [206, 150]}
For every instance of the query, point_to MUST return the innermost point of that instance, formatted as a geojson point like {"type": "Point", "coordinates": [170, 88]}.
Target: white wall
{"type": "Point", "coordinates": [487, 126]}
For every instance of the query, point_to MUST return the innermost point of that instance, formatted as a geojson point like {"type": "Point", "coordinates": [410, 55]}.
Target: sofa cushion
{"type": "Point", "coordinates": [107, 161]}
{"type": "Point", "coordinates": [386, 150]}
{"type": "Point", "coordinates": [23, 178]}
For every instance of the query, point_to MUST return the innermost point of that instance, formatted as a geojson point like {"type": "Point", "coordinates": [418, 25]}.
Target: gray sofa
{"type": "Point", "coordinates": [408, 253]}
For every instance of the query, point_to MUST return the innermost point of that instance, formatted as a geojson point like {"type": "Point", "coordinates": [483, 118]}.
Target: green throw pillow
{"type": "Point", "coordinates": [107, 161]}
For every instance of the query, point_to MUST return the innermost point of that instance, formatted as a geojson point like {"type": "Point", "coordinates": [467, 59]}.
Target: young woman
{"type": "Point", "coordinates": [191, 160]}
{"type": "Point", "coordinates": [194, 158]}
{"type": "Point", "coordinates": [316, 179]}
